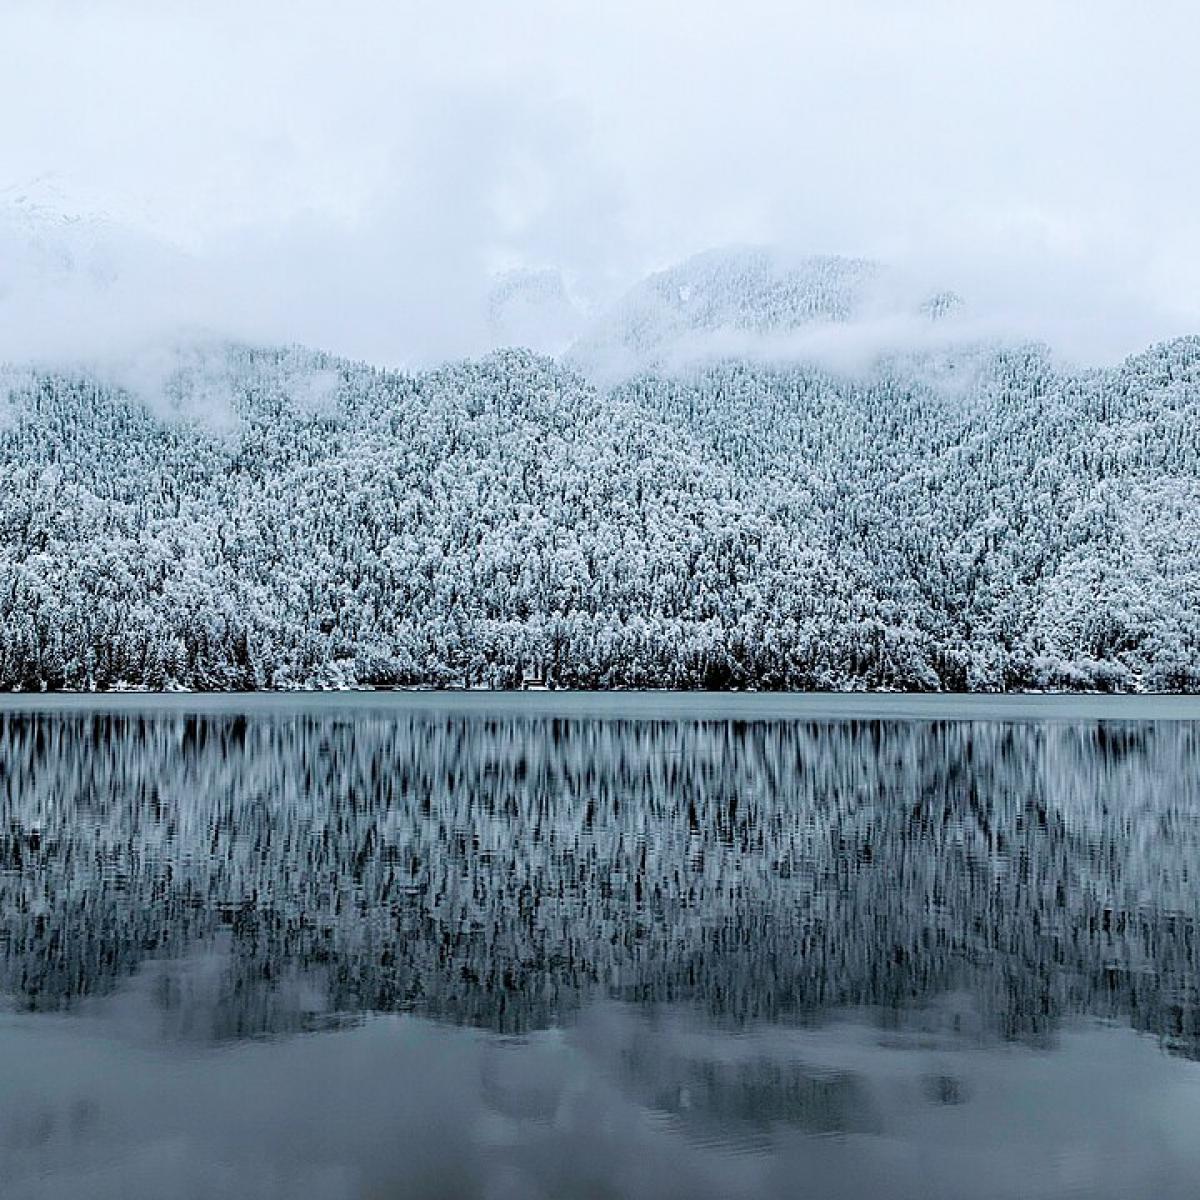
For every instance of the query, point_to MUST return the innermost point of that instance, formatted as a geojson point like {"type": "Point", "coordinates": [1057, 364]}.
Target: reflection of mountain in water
{"type": "Point", "coordinates": [264, 873]}
{"type": "Point", "coordinates": [718, 1100]}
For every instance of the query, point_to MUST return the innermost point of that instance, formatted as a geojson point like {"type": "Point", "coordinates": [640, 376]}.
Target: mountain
{"type": "Point", "coordinates": [80, 277]}
{"type": "Point", "coordinates": [532, 308]}
{"type": "Point", "coordinates": [43, 238]}
{"type": "Point", "coordinates": [735, 525]}
{"type": "Point", "coordinates": [743, 302]}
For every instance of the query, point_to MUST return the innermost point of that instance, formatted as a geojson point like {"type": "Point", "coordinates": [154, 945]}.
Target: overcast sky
{"type": "Point", "coordinates": [350, 174]}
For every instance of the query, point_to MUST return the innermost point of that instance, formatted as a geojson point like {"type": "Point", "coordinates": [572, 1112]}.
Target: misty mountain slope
{"type": "Point", "coordinates": [532, 308]}
{"type": "Point", "coordinates": [71, 266]}
{"type": "Point", "coordinates": [328, 523]}
{"type": "Point", "coordinates": [43, 237]}
{"type": "Point", "coordinates": [730, 302]}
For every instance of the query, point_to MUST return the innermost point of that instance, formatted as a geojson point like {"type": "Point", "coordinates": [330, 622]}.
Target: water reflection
{"type": "Point", "coordinates": [729, 935]}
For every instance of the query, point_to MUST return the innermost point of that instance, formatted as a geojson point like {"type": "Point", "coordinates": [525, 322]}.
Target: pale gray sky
{"type": "Point", "coordinates": [351, 174]}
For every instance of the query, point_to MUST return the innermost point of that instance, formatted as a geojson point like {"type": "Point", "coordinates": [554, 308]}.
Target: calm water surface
{"type": "Point", "coordinates": [558, 946]}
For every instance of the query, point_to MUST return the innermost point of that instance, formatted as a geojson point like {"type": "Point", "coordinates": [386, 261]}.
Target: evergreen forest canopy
{"type": "Point", "coordinates": [985, 522]}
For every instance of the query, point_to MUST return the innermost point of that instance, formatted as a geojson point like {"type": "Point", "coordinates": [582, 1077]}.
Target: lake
{"type": "Point", "coordinates": [552, 945]}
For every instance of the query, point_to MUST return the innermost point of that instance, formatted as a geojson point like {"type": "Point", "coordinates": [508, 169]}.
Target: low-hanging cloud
{"type": "Point", "coordinates": [355, 177]}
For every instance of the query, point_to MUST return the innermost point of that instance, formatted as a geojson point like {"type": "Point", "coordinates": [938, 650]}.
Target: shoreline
{"type": "Point", "coordinates": [637, 705]}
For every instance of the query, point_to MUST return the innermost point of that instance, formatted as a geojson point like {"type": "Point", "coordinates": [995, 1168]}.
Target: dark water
{"type": "Point", "coordinates": [551, 947]}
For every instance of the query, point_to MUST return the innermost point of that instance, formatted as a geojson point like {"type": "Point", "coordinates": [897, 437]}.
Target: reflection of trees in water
{"type": "Point", "coordinates": [497, 871]}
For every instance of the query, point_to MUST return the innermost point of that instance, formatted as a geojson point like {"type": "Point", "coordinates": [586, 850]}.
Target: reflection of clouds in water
{"type": "Point", "coordinates": [401, 1106]}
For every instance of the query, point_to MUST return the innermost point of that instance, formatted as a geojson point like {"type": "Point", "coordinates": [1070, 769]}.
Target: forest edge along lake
{"type": "Point", "coordinates": [641, 705]}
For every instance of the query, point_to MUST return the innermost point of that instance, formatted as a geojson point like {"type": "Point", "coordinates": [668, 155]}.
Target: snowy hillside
{"type": "Point", "coordinates": [78, 276]}
{"type": "Point", "coordinates": [739, 302]}
{"type": "Point", "coordinates": [533, 309]}
{"type": "Point", "coordinates": [43, 238]}
{"type": "Point", "coordinates": [735, 527]}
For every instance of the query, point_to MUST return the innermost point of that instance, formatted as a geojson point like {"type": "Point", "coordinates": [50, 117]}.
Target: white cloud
{"type": "Point", "coordinates": [351, 175]}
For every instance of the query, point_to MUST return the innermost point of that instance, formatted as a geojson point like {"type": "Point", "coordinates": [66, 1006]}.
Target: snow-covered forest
{"type": "Point", "coordinates": [265, 518]}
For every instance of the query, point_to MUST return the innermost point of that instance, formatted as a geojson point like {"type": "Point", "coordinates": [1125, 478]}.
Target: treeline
{"type": "Point", "coordinates": [278, 519]}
